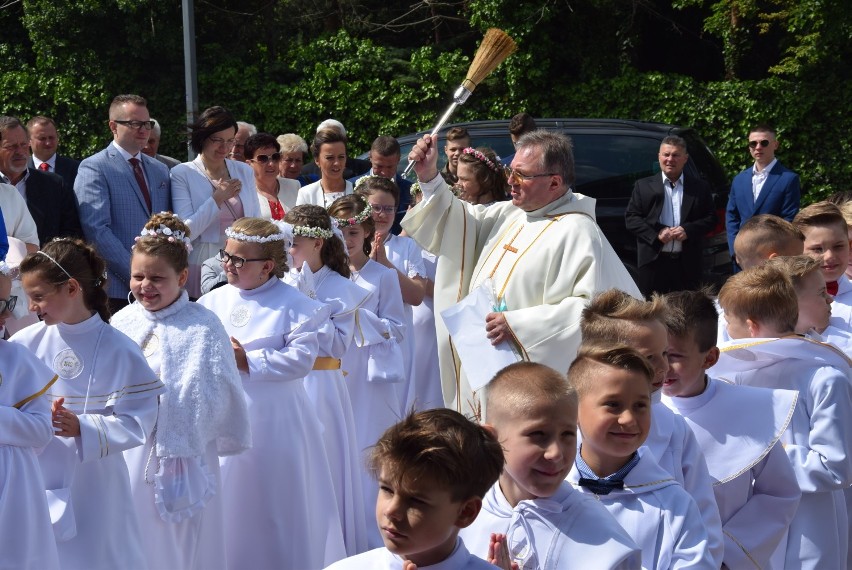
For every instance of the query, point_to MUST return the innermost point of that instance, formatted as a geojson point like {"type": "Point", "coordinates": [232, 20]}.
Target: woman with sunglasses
{"type": "Point", "coordinates": [208, 192]}
{"type": "Point", "coordinates": [276, 194]}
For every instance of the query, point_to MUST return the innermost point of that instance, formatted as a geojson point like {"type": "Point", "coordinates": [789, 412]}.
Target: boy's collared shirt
{"type": "Point", "coordinates": [565, 531]}
{"type": "Point", "coordinates": [660, 517]}
{"type": "Point", "coordinates": [384, 559]}
{"type": "Point", "coordinates": [603, 485]}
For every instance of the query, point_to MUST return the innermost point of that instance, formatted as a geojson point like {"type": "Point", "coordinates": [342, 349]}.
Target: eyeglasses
{"type": "Point", "coordinates": [236, 260]}
{"type": "Point", "coordinates": [512, 174]}
{"type": "Point", "coordinates": [379, 209]}
{"type": "Point", "coordinates": [264, 158]}
{"type": "Point", "coordinates": [8, 304]}
{"type": "Point", "coordinates": [137, 125]}
{"type": "Point", "coordinates": [753, 144]}
{"type": "Point", "coordinates": [218, 141]}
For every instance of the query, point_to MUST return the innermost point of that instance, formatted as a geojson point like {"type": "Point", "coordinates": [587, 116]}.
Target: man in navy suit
{"type": "Point", "coordinates": [52, 206]}
{"type": "Point", "coordinates": [765, 188]}
{"type": "Point", "coordinates": [43, 142]}
{"type": "Point", "coordinates": [669, 213]}
{"type": "Point", "coordinates": [118, 189]}
{"type": "Point", "coordinates": [384, 160]}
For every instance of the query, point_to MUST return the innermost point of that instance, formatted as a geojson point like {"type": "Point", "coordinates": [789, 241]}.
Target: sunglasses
{"type": "Point", "coordinates": [753, 144]}
{"type": "Point", "coordinates": [264, 158]}
{"type": "Point", "coordinates": [8, 304]}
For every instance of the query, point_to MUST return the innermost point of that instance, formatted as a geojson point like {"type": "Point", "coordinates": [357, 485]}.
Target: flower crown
{"type": "Point", "coordinates": [173, 236]}
{"type": "Point", "coordinates": [415, 189]}
{"type": "Point", "coordinates": [364, 179]}
{"type": "Point", "coordinates": [356, 219]}
{"type": "Point", "coordinates": [313, 232]}
{"type": "Point", "coordinates": [230, 233]}
{"type": "Point", "coordinates": [482, 158]}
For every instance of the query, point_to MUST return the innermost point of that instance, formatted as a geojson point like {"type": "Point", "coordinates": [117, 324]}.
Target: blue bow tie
{"type": "Point", "coordinates": [601, 486]}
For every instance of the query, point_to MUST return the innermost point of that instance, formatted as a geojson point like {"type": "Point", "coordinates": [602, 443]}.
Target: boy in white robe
{"type": "Point", "coordinates": [433, 468]}
{"type": "Point", "coordinates": [26, 537]}
{"type": "Point", "coordinates": [738, 428]}
{"type": "Point", "coordinates": [827, 240]}
{"type": "Point", "coordinates": [613, 384]}
{"type": "Point", "coordinates": [761, 310]}
{"type": "Point", "coordinates": [532, 410]}
{"type": "Point", "coordinates": [615, 316]}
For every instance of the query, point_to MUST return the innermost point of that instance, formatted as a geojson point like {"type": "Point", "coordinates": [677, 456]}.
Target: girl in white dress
{"type": "Point", "coordinates": [104, 402]}
{"type": "Point", "coordinates": [319, 257]}
{"type": "Point", "coordinates": [26, 537]}
{"type": "Point", "coordinates": [329, 150]}
{"type": "Point", "coordinates": [279, 502]}
{"type": "Point", "coordinates": [174, 477]}
{"type": "Point", "coordinates": [374, 362]}
{"type": "Point", "coordinates": [403, 255]}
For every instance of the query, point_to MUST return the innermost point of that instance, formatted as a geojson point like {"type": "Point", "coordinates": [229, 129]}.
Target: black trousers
{"type": "Point", "coordinates": [665, 274]}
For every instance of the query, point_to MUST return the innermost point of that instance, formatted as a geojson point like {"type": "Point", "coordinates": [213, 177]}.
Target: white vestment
{"type": "Point", "coordinates": [817, 440]}
{"type": "Point", "coordinates": [376, 405]}
{"type": "Point", "coordinates": [26, 537]}
{"type": "Point", "coordinates": [425, 341]}
{"type": "Point", "coordinates": [279, 502]}
{"type": "Point", "coordinates": [737, 428]}
{"type": "Point", "coordinates": [327, 390]}
{"type": "Point", "coordinates": [383, 559]}
{"type": "Point", "coordinates": [660, 517]}
{"type": "Point", "coordinates": [675, 449]}
{"type": "Point", "coordinates": [545, 265]}
{"type": "Point", "coordinates": [106, 381]}
{"type": "Point", "coordinates": [566, 531]}
{"type": "Point", "coordinates": [176, 486]}
{"type": "Point", "coordinates": [842, 305]}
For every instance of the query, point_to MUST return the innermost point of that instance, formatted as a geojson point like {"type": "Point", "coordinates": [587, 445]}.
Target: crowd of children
{"type": "Point", "coordinates": [291, 417]}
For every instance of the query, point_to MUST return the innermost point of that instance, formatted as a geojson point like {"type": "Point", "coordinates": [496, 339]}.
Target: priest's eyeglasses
{"type": "Point", "coordinates": [137, 125]}
{"type": "Point", "coordinates": [513, 175]}
{"type": "Point", "coordinates": [8, 304]}
{"type": "Point", "coordinates": [236, 260]}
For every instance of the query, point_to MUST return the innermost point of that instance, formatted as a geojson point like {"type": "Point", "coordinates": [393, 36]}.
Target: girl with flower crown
{"type": "Point", "coordinates": [279, 501]}
{"type": "Point", "coordinates": [481, 177]}
{"type": "Point", "coordinates": [374, 361]}
{"type": "Point", "coordinates": [104, 402]}
{"type": "Point", "coordinates": [402, 254]}
{"type": "Point", "coordinates": [322, 272]}
{"type": "Point", "coordinates": [26, 537]}
{"type": "Point", "coordinates": [175, 477]}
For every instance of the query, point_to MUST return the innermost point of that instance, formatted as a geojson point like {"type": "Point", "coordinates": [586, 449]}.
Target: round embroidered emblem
{"type": "Point", "coordinates": [150, 345]}
{"type": "Point", "coordinates": [240, 316]}
{"type": "Point", "coordinates": [67, 364]}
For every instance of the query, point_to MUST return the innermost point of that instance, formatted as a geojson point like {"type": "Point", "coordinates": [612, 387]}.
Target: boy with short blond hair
{"type": "Point", "coordinates": [737, 428]}
{"type": "Point", "coordinates": [615, 317]}
{"type": "Point", "coordinates": [764, 237]}
{"type": "Point", "coordinates": [827, 239]}
{"type": "Point", "coordinates": [433, 469]}
{"type": "Point", "coordinates": [613, 382]}
{"type": "Point", "coordinates": [532, 411]}
{"type": "Point", "coordinates": [762, 312]}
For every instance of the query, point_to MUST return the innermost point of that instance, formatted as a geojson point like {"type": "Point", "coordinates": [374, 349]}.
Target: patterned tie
{"type": "Point", "coordinates": [140, 178]}
{"type": "Point", "coordinates": [601, 486]}
{"type": "Point", "coordinates": [44, 167]}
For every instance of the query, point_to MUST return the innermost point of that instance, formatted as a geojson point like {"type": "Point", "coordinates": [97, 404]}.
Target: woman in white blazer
{"type": "Point", "coordinates": [329, 150]}
{"type": "Point", "coordinates": [212, 191]}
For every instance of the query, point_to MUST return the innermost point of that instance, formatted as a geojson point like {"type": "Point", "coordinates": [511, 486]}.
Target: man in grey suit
{"type": "Point", "coordinates": [43, 142]}
{"type": "Point", "coordinates": [118, 189]}
{"type": "Point", "coordinates": [152, 148]}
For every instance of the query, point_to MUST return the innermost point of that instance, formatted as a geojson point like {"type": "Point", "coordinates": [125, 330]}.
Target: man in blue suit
{"type": "Point", "coordinates": [118, 189]}
{"type": "Point", "coordinates": [384, 160]}
{"type": "Point", "coordinates": [765, 188]}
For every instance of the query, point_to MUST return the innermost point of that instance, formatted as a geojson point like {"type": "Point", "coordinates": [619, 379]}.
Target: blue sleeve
{"type": "Point", "coordinates": [732, 218]}
{"type": "Point", "coordinates": [792, 197]}
{"type": "Point", "coordinates": [4, 241]}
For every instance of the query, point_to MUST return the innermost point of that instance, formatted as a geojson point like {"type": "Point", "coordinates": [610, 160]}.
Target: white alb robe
{"type": "Point", "coordinates": [383, 559]}
{"type": "Point", "coordinates": [26, 537]}
{"type": "Point", "coordinates": [106, 381]}
{"type": "Point", "coordinates": [425, 341]}
{"type": "Point", "coordinates": [737, 428]}
{"type": "Point", "coordinates": [328, 393]}
{"type": "Point", "coordinates": [376, 405]}
{"type": "Point", "coordinates": [279, 502]}
{"type": "Point", "coordinates": [660, 517]}
{"type": "Point", "coordinates": [545, 265]}
{"type": "Point", "coordinates": [816, 441]}
{"type": "Point", "coordinates": [201, 416]}
{"type": "Point", "coordinates": [566, 531]}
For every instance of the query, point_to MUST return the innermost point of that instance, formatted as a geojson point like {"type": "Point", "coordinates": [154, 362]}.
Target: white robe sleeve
{"type": "Point", "coordinates": [388, 322]}
{"type": "Point", "coordinates": [756, 529]}
{"type": "Point", "coordinates": [29, 426]}
{"type": "Point", "coordinates": [295, 359]}
{"type": "Point", "coordinates": [824, 463]}
{"type": "Point", "coordinates": [123, 426]}
{"type": "Point", "coordinates": [690, 547]}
